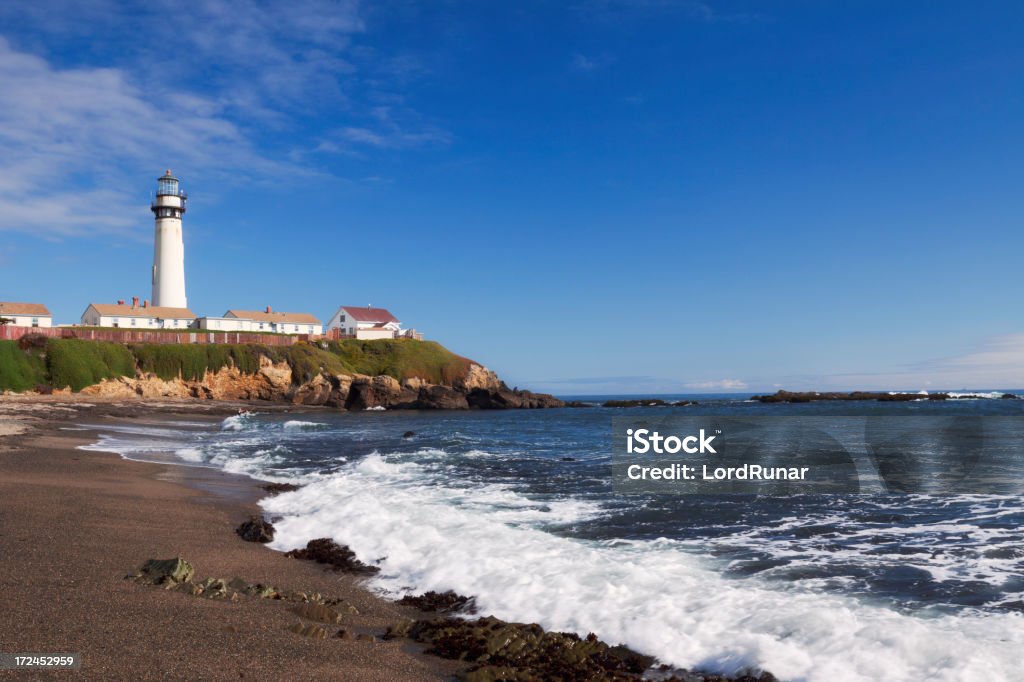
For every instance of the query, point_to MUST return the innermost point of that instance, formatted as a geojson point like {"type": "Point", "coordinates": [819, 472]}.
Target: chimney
{"type": "Point", "coordinates": [120, 301]}
{"type": "Point", "coordinates": [135, 301]}
{"type": "Point", "coordinates": [269, 309]}
{"type": "Point", "coordinates": [145, 304]}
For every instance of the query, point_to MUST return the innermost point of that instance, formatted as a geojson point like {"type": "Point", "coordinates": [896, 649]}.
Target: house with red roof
{"type": "Point", "coordinates": [365, 322]}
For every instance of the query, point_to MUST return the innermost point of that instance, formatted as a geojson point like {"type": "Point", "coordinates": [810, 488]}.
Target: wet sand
{"type": "Point", "coordinates": [74, 523]}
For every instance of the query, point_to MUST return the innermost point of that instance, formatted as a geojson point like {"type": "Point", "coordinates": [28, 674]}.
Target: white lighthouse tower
{"type": "Point", "coordinates": [169, 248]}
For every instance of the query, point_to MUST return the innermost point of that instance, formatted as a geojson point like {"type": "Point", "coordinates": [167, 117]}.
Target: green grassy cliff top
{"type": "Point", "coordinates": [36, 361]}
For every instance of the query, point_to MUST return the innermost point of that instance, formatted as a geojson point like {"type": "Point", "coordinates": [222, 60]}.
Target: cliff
{"type": "Point", "coordinates": [349, 374]}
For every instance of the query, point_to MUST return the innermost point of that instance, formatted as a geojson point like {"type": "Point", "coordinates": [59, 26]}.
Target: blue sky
{"type": "Point", "coordinates": [589, 197]}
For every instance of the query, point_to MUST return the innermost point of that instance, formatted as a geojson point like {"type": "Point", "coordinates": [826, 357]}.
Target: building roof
{"type": "Point", "coordinates": [274, 316]}
{"type": "Point", "coordinates": [368, 314]}
{"type": "Point", "coordinates": [23, 309]}
{"type": "Point", "coordinates": [123, 310]}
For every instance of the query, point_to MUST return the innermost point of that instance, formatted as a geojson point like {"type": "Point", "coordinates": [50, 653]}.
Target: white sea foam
{"type": "Point", "coordinates": [923, 545]}
{"type": "Point", "coordinates": [190, 454]}
{"type": "Point", "coordinates": [299, 425]}
{"type": "Point", "coordinates": [236, 422]}
{"type": "Point", "coordinates": [972, 395]}
{"type": "Point", "coordinates": [376, 408]}
{"type": "Point", "coordinates": [994, 395]}
{"type": "Point", "coordinates": [487, 541]}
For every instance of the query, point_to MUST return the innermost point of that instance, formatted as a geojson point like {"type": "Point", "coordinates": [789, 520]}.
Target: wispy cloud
{"type": "Point", "coordinates": [219, 91]}
{"type": "Point", "coordinates": [717, 385]}
{"type": "Point", "coordinates": [71, 135]}
{"type": "Point", "coordinates": [394, 138]}
{"type": "Point", "coordinates": [250, 52]}
{"type": "Point", "coordinates": [388, 128]}
{"type": "Point", "coordinates": [589, 63]}
{"type": "Point", "coordinates": [582, 63]}
{"type": "Point", "coordinates": [995, 363]}
{"type": "Point", "coordinates": [608, 385]}
{"type": "Point", "coordinates": [599, 381]}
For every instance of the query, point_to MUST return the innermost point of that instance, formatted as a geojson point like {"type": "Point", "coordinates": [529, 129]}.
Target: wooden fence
{"type": "Point", "coordinates": [13, 333]}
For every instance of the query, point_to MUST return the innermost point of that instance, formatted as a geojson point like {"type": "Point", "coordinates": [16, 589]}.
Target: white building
{"type": "Point", "coordinates": [278, 323]}
{"type": "Point", "coordinates": [136, 316]}
{"type": "Point", "coordinates": [169, 247]}
{"type": "Point", "coordinates": [26, 314]}
{"type": "Point", "coordinates": [365, 322]}
{"type": "Point", "coordinates": [223, 324]}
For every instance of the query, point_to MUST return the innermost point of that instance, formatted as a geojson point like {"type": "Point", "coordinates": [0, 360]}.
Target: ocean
{"type": "Point", "coordinates": [517, 509]}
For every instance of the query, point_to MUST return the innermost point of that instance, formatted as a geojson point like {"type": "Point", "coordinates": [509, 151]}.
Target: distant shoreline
{"type": "Point", "coordinates": [880, 396]}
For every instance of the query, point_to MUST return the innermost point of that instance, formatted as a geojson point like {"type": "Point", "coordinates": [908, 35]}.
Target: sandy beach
{"type": "Point", "coordinates": [74, 523]}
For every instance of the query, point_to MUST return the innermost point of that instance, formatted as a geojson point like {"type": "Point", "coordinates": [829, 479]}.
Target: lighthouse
{"type": "Point", "coordinates": [168, 247]}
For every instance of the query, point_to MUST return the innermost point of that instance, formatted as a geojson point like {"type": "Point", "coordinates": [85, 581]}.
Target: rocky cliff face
{"type": "Point", "coordinates": [479, 388]}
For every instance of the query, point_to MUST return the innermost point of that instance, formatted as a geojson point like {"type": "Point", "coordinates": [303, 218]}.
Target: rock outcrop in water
{"type": "Point", "coordinates": [648, 402]}
{"type": "Point", "coordinates": [479, 388]}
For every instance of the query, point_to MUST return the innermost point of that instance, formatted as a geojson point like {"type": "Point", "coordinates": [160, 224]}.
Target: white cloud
{"type": "Point", "coordinates": [76, 141]}
{"type": "Point", "coordinates": [583, 63]}
{"type": "Point", "coordinates": [997, 362]}
{"type": "Point", "coordinates": [391, 127]}
{"type": "Point", "coordinates": [718, 385]}
{"type": "Point", "coordinates": [251, 52]}
{"type": "Point", "coordinates": [588, 63]}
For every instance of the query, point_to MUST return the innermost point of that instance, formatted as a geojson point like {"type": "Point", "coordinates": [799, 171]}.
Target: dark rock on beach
{"type": "Point", "coordinates": [168, 572]}
{"type": "Point", "coordinates": [318, 612]}
{"type": "Point", "coordinates": [277, 488]}
{"type": "Point", "coordinates": [502, 651]}
{"type": "Point", "coordinates": [440, 602]}
{"type": "Point", "coordinates": [311, 631]}
{"type": "Point", "coordinates": [327, 551]}
{"type": "Point", "coordinates": [493, 649]}
{"type": "Point", "coordinates": [256, 529]}
{"type": "Point", "coordinates": [497, 650]}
